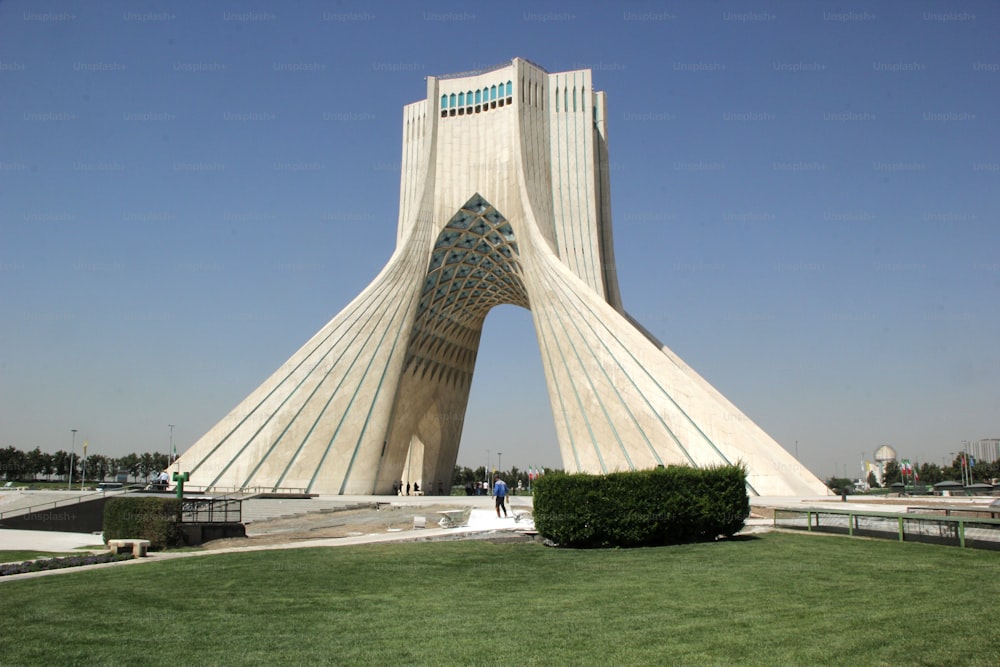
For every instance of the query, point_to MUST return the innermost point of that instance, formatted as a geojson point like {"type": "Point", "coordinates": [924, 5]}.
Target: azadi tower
{"type": "Point", "coordinates": [504, 199]}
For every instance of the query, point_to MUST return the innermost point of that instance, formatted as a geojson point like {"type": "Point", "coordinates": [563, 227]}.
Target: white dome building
{"type": "Point", "coordinates": [883, 455]}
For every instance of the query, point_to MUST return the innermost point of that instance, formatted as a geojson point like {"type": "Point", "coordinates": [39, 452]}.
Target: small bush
{"type": "Point", "coordinates": [43, 564]}
{"type": "Point", "coordinates": [153, 519]}
{"type": "Point", "coordinates": [642, 508]}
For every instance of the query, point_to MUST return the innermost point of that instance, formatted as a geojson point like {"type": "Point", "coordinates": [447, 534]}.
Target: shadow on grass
{"type": "Point", "coordinates": [741, 538]}
{"type": "Point", "coordinates": [663, 545]}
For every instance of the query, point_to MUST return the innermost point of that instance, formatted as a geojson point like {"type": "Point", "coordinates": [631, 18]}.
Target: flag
{"type": "Point", "coordinates": [972, 461]}
{"type": "Point", "coordinates": [85, 443]}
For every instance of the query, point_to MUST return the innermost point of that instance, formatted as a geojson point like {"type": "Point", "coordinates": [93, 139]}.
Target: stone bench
{"type": "Point", "coordinates": [139, 547]}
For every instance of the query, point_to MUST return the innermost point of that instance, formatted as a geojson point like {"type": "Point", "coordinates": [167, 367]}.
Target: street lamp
{"type": "Point", "coordinates": [72, 452]}
{"type": "Point", "coordinates": [499, 466]}
{"type": "Point", "coordinates": [173, 452]}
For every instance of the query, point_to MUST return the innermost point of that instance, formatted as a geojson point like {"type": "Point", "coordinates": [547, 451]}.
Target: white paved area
{"type": "Point", "coordinates": [45, 540]}
{"type": "Point", "coordinates": [482, 520]}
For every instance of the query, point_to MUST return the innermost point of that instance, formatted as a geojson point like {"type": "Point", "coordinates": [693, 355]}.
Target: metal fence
{"type": "Point", "coordinates": [972, 532]}
{"type": "Point", "coordinates": [211, 510]}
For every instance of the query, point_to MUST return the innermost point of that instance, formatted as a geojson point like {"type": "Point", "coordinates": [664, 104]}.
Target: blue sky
{"type": "Point", "coordinates": [805, 200]}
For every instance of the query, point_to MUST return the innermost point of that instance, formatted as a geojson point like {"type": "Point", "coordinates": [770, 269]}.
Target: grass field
{"type": "Point", "coordinates": [777, 599]}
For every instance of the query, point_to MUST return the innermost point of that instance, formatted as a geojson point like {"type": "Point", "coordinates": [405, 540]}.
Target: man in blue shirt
{"type": "Point", "coordinates": [500, 493]}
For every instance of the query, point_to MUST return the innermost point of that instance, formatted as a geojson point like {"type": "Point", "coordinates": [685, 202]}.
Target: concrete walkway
{"type": "Point", "coordinates": [482, 522]}
{"type": "Point", "coordinates": [44, 540]}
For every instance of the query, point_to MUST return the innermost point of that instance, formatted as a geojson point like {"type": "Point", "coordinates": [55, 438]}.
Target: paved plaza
{"type": "Point", "coordinates": [334, 521]}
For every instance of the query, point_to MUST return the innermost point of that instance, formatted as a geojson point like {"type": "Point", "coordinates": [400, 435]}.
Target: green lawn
{"type": "Point", "coordinates": [778, 599]}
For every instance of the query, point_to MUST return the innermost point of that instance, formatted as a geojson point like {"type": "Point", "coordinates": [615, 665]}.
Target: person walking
{"type": "Point", "coordinates": [500, 494]}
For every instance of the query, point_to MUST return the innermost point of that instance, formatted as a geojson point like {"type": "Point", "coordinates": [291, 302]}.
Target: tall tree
{"type": "Point", "coordinates": [892, 473]}
{"type": "Point", "coordinates": [35, 462]}
{"type": "Point", "coordinates": [130, 462]}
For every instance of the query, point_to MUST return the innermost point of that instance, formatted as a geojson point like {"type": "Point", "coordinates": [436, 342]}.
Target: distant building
{"type": "Point", "coordinates": [986, 450]}
{"type": "Point", "coordinates": [883, 455]}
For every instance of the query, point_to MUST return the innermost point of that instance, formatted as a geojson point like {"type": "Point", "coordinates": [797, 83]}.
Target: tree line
{"type": "Point", "coordinates": [465, 475]}
{"type": "Point", "coordinates": [927, 473]}
{"type": "Point", "coordinates": [36, 464]}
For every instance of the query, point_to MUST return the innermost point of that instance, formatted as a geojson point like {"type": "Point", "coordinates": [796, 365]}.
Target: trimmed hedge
{"type": "Point", "coordinates": [153, 519]}
{"type": "Point", "coordinates": [643, 508]}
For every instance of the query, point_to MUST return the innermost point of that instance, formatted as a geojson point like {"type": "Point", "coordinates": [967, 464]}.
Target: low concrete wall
{"type": "Point", "coordinates": [199, 533]}
{"type": "Point", "coordinates": [84, 517]}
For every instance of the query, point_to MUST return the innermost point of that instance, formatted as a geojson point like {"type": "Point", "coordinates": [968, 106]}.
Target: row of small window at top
{"type": "Point", "coordinates": [483, 100]}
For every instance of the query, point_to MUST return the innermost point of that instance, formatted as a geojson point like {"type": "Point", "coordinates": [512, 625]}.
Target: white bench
{"type": "Point", "coordinates": [139, 547]}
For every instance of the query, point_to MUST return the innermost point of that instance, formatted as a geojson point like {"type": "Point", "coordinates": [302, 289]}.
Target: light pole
{"type": "Point", "coordinates": [499, 466]}
{"type": "Point", "coordinates": [173, 452]}
{"type": "Point", "coordinates": [72, 452]}
{"type": "Point", "coordinates": [83, 459]}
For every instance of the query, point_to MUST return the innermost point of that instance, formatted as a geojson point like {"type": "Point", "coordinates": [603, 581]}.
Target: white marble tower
{"type": "Point", "coordinates": [504, 199]}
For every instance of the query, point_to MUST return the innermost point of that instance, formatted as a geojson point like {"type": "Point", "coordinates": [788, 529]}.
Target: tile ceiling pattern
{"type": "Point", "coordinates": [474, 266]}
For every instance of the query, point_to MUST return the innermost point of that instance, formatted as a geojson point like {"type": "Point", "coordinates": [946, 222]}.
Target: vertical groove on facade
{"type": "Point", "coordinates": [384, 297]}
{"type": "Point", "coordinates": [577, 317]}
{"type": "Point", "coordinates": [620, 354]}
{"type": "Point", "coordinates": [581, 412]}
{"type": "Point", "coordinates": [624, 352]}
{"type": "Point", "coordinates": [308, 352]}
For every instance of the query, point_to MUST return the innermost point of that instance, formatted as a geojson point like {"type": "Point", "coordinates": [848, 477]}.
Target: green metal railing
{"type": "Point", "coordinates": [211, 510]}
{"type": "Point", "coordinates": [961, 531]}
